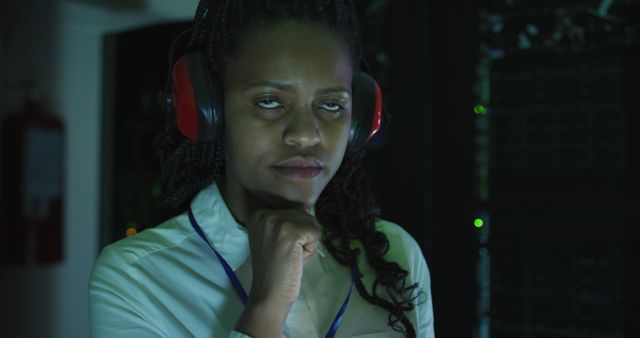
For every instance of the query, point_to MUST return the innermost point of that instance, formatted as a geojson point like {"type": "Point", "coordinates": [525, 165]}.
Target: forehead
{"type": "Point", "coordinates": [292, 52]}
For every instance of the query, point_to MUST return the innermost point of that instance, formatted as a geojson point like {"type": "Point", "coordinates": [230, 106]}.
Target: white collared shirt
{"type": "Point", "coordinates": [166, 282]}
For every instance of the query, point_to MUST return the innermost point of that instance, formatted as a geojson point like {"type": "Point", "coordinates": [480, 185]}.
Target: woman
{"type": "Point", "coordinates": [275, 202]}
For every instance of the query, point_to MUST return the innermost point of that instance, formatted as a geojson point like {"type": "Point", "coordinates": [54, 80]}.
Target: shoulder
{"type": "Point", "coordinates": [124, 254]}
{"type": "Point", "coordinates": [395, 232]}
{"type": "Point", "coordinates": [404, 250]}
{"type": "Point", "coordinates": [122, 281]}
{"type": "Point", "coordinates": [402, 246]}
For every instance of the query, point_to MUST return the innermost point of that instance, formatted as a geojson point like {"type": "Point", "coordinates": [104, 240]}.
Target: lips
{"type": "Point", "coordinates": [300, 167]}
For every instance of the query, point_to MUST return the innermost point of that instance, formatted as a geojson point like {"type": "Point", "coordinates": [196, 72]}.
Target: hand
{"type": "Point", "coordinates": [281, 241]}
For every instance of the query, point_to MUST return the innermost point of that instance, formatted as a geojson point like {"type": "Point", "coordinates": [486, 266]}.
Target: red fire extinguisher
{"type": "Point", "coordinates": [32, 186]}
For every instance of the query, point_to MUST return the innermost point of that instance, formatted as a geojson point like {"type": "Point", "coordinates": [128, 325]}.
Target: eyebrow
{"type": "Point", "coordinates": [288, 87]}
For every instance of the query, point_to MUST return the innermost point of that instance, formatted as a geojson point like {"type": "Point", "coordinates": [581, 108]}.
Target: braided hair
{"type": "Point", "coordinates": [346, 207]}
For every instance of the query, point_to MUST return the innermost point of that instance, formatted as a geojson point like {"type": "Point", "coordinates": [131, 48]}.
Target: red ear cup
{"type": "Point", "coordinates": [366, 111]}
{"type": "Point", "coordinates": [183, 99]}
{"type": "Point", "coordinates": [376, 123]}
{"type": "Point", "coordinates": [197, 99]}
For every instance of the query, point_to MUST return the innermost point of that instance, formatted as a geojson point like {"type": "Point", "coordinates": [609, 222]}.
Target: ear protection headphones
{"type": "Point", "coordinates": [197, 99]}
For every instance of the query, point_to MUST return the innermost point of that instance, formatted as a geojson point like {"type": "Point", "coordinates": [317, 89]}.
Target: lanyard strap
{"type": "Point", "coordinates": [336, 322]}
{"type": "Point", "coordinates": [232, 276]}
{"type": "Point", "coordinates": [243, 295]}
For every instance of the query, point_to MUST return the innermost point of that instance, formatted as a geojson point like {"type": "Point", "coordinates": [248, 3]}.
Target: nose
{"type": "Point", "coordinates": [302, 129]}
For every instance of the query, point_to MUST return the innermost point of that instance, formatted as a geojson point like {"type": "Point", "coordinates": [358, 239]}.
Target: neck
{"type": "Point", "coordinates": [241, 203]}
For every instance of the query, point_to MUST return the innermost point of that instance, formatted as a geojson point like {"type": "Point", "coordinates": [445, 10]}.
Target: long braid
{"type": "Point", "coordinates": [201, 11]}
{"type": "Point", "coordinates": [344, 196]}
{"type": "Point", "coordinates": [223, 23]}
{"type": "Point", "coordinates": [346, 208]}
{"type": "Point", "coordinates": [355, 26]}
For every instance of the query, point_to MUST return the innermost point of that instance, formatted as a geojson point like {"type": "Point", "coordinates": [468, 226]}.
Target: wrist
{"type": "Point", "coordinates": [262, 320]}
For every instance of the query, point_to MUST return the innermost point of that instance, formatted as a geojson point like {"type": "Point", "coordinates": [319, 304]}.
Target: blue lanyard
{"type": "Point", "coordinates": [243, 294]}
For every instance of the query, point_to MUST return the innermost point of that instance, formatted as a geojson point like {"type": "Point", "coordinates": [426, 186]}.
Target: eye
{"type": "Point", "coordinates": [269, 104]}
{"type": "Point", "coordinates": [333, 107]}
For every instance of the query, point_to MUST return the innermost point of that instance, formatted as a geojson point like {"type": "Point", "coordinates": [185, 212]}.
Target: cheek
{"type": "Point", "coordinates": [246, 143]}
{"type": "Point", "coordinates": [341, 135]}
{"type": "Point", "coordinates": [234, 140]}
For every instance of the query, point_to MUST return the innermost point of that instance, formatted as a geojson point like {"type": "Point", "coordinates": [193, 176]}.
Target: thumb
{"type": "Point", "coordinates": [310, 249]}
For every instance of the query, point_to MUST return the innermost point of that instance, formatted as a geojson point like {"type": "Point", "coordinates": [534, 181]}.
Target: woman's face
{"type": "Point", "coordinates": [287, 114]}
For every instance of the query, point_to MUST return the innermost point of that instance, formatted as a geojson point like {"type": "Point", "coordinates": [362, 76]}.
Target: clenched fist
{"type": "Point", "coordinates": [281, 241]}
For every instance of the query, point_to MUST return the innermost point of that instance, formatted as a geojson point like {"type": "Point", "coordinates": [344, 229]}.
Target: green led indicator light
{"type": "Point", "coordinates": [480, 109]}
{"type": "Point", "coordinates": [132, 224]}
{"type": "Point", "coordinates": [478, 223]}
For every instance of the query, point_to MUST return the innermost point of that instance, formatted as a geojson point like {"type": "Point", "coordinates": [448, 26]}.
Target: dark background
{"type": "Point", "coordinates": [551, 166]}
{"type": "Point", "coordinates": [520, 114]}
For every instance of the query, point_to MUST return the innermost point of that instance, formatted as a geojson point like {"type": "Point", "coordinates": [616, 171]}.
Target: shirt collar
{"type": "Point", "coordinates": [228, 237]}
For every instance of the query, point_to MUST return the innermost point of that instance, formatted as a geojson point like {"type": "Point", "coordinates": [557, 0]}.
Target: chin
{"type": "Point", "coordinates": [301, 196]}
{"type": "Point", "coordinates": [292, 194]}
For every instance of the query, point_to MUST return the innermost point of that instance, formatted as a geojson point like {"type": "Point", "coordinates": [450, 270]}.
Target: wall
{"type": "Point", "coordinates": [60, 45]}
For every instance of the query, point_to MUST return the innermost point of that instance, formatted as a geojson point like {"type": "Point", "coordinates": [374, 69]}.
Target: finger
{"type": "Point", "coordinates": [313, 235]}
{"type": "Point", "coordinates": [311, 247]}
{"type": "Point", "coordinates": [309, 250]}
